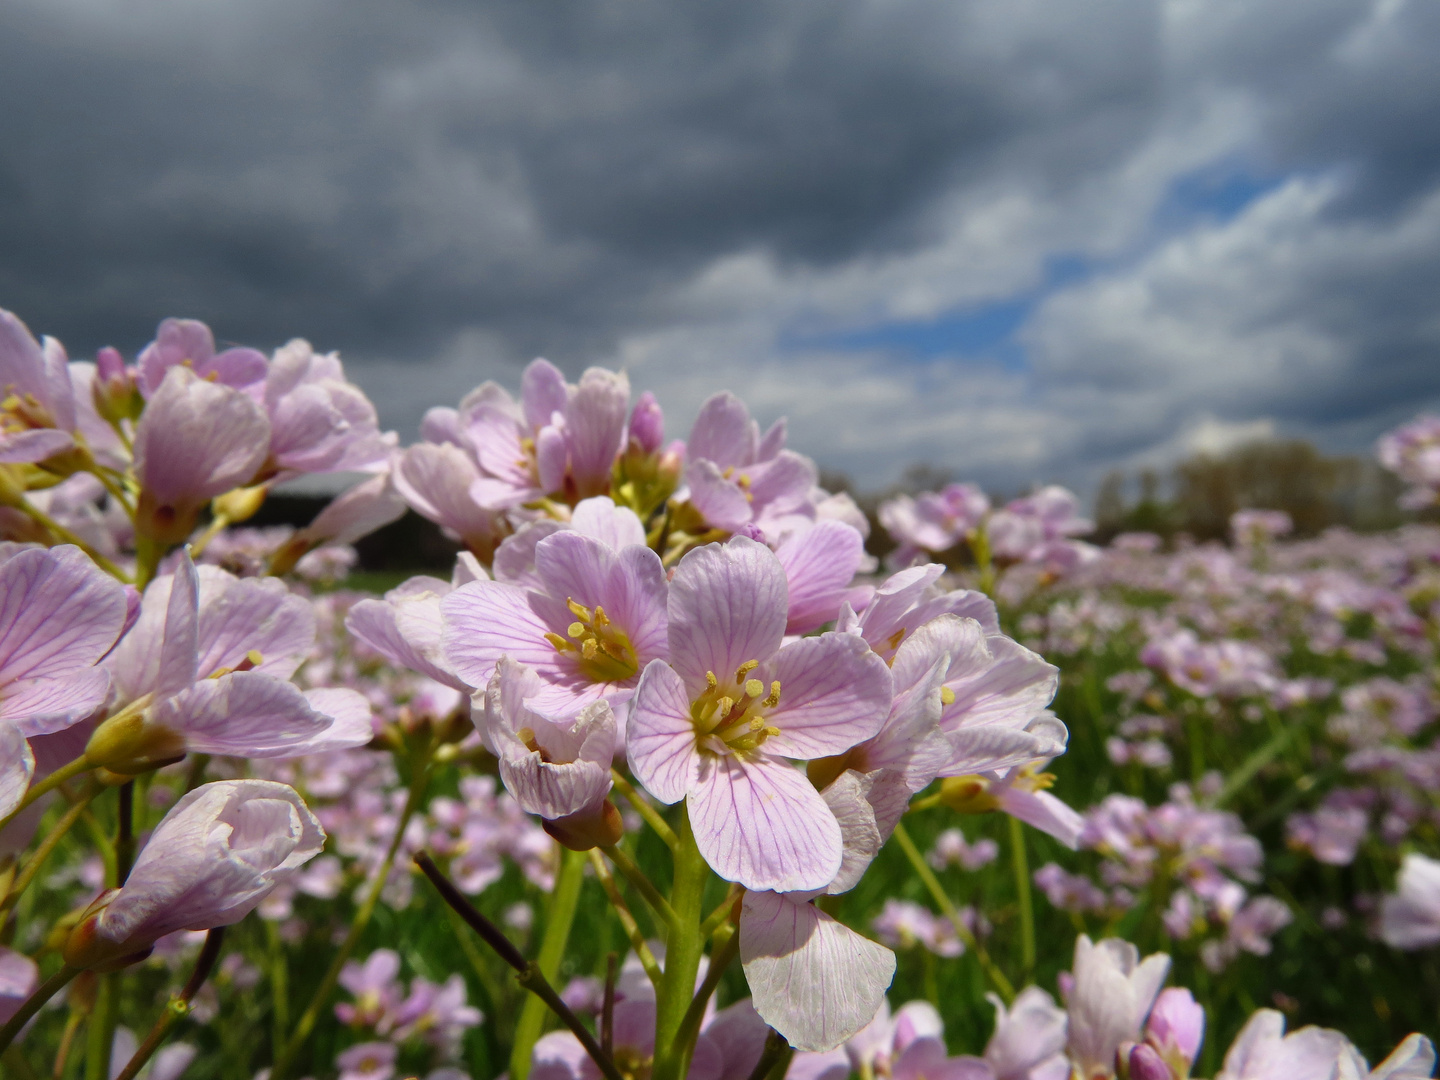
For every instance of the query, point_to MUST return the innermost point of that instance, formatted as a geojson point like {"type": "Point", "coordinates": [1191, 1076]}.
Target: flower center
{"type": "Point", "coordinates": [731, 719]}
{"type": "Point", "coordinates": [24, 413]}
{"type": "Point", "coordinates": [601, 649]}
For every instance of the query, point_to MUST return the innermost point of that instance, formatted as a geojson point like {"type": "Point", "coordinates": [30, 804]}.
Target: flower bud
{"type": "Point", "coordinates": [128, 743]}
{"type": "Point", "coordinates": [647, 423]}
{"type": "Point", "coordinates": [1146, 1064]}
{"type": "Point", "coordinates": [1176, 1025]}
{"type": "Point", "coordinates": [219, 851]}
{"type": "Point", "coordinates": [968, 795]}
{"type": "Point", "coordinates": [597, 827]}
{"type": "Point", "coordinates": [114, 391]}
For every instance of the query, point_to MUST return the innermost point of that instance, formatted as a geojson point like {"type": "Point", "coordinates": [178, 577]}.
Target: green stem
{"type": "Point", "coordinates": [720, 959]}
{"type": "Point", "coordinates": [1022, 890]}
{"type": "Point", "coordinates": [683, 951]}
{"type": "Point", "coordinates": [419, 779]}
{"type": "Point", "coordinates": [49, 784]}
{"type": "Point", "coordinates": [643, 884]}
{"type": "Point", "coordinates": [43, 993]}
{"type": "Point", "coordinates": [627, 920]}
{"type": "Point", "coordinates": [279, 986]}
{"type": "Point", "coordinates": [932, 883]}
{"type": "Point", "coordinates": [1242, 776]}
{"type": "Point", "coordinates": [775, 1058]}
{"type": "Point", "coordinates": [46, 848]}
{"type": "Point", "coordinates": [560, 918]}
{"type": "Point", "coordinates": [178, 1007]}
{"type": "Point", "coordinates": [125, 833]}
{"type": "Point", "coordinates": [64, 535]}
{"type": "Point", "coordinates": [642, 807]}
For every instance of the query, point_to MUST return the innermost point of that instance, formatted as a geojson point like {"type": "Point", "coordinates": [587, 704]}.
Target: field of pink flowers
{"type": "Point", "coordinates": [670, 778]}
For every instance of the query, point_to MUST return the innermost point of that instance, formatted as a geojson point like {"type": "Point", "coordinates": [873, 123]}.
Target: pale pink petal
{"type": "Point", "coordinates": [782, 484]}
{"type": "Point", "coordinates": [848, 799]}
{"type": "Point", "coordinates": [727, 606]}
{"type": "Point", "coordinates": [552, 459]}
{"type": "Point", "coordinates": [739, 1034]}
{"type": "Point", "coordinates": [393, 627]}
{"type": "Point", "coordinates": [542, 392]}
{"type": "Point", "coordinates": [614, 526]}
{"type": "Point", "coordinates": [927, 1059]}
{"type": "Point", "coordinates": [812, 979]}
{"type": "Point", "coordinates": [17, 766]}
{"type": "Point", "coordinates": [486, 620]}
{"type": "Point", "coordinates": [720, 501]}
{"type": "Point", "coordinates": [629, 584]}
{"type": "Point", "coordinates": [723, 432]}
{"type": "Point", "coordinates": [44, 706]}
{"type": "Point", "coordinates": [760, 822]}
{"type": "Point", "coordinates": [59, 613]}
{"type": "Point", "coordinates": [834, 693]}
{"type": "Point", "coordinates": [240, 615]}
{"type": "Point", "coordinates": [1413, 1059]}
{"type": "Point", "coordinates": [357, 513]}
{"type": "Point", "coordinates": [1045, 812]}
{"type": "Point", "coordinates": [197, 439]}
{"type": "Point", "coordinates": [1010, 690]}
{"type": "Point", "coordinates": [819, 563]}
{"type": "Point", "coordinates": [515, 557]}
{"type": "Point", "coordinates": [243, 715]}
{"type": "Point", "coordinates": [37, 444]}
{"type": "Point", "coordinates": [351, 722]}
{"type": "Point", "coordinates": [179, 649]}
{"type": "Point", "coordinates": [595, 428]}
{"type": "Point", "coordinates": [660, 736]}
{"type": "Point", "coordinates": [435, 481]}
{"type": "Point", "coordinates": [995, 749]}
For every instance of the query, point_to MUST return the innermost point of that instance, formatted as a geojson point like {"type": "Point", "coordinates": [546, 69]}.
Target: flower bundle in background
{"type": "Point", "coordinates": [669, 778]}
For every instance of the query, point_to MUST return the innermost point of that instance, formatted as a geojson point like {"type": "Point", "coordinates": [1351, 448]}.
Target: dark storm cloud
{"type": "Point", "coordinates": [443, 190]}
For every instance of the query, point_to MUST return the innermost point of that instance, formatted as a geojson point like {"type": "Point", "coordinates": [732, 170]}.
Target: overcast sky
{"type": "Point", "coordinates": [1024, 239]}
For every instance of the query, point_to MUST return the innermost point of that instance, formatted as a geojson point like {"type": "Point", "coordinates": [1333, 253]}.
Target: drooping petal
{"type": "Point", "coordinates": [760, 822]}
{"type": "Point", "coordinates": [244, 714]}
{"type": "Point", "coordinates": [812, 979]}
{"type": "Point", "coordinates": [834, 693]}
{"type": "Point", "coordinates": [1045, 812]}
{"type": "Point", "coordinates": [59, 613]}
{"type": "Point", "coordinates": [660, 736]}
{"type": "Point", "coordinates": [727, 606]}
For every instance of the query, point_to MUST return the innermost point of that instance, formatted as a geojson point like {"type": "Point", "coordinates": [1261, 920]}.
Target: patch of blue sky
{"type": "Point", "coordinates": [1217, 191]}
{"type": "Point", "coordinates": [983, 332]}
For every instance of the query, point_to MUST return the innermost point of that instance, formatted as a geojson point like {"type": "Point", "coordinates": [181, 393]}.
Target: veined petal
{"type": "Point", "coordinates": [614, 526]}
{"type": "Point", "coordinates": [720, 502]}
{"type": "Point", "coordinates": [351, 721]}
{"type": "Point", "coordinates": [630, 585]}
{"type": "Point", "coordinates": [244, 714]}
{"type": "Point", "coordinates": [45, 706]}
{"type": "Point", "coordinates": [727, 606]}
{"type": "Point", "coordinates": [819, 563]}
{"type": "Point", "coordinates": [660, 738]}
{"type": "Point", "coordinates": [812, 979]}
{"type": "Point", "coordinates": [37, 444]}
{"type": "Point", "coordinates": [834, 693]}
{"type": "Point", "coordinates": [723, 432]}
{"type": "Point", "coordinates": [238, 615]}
{"type": "Point", "coordinates": [486, 620]}
{"type": "Point", "coordinates": [1045, 812]}
{"type": "Point", "coordinates": [1010, 690]}
{"type": "Point", "coordinates": [59, 613]}
{"type": "Point", "coordinates": [542, 392]}
{"type": "Point", "coordinates": [180, 647]}
{"type": "Point", "coordinates": [759, 821]}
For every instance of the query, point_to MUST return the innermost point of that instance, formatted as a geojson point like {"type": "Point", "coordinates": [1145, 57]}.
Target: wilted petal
{"type": "Point", "coordinates": [812, 979]}
{"type": "Point", "coordinates": [759, 821]}
{"type": "Point", "coordinates": [727, 606]}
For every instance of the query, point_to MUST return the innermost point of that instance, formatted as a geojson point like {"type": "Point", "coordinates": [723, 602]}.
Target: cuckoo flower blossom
{"type": "Point", "coordinates": [933, 521]}
{"type": "Point", "coordinates": [189, 343]}
{"type": "Point", "coordinates": [1029, 1038]}
{"type": "Point", "coordinates": [195, 440]}
{"type": "Point", "coordinates": [37, 397]}
{"type": "Point", "coordinates": [204, 669]}
{"type": "Point", "coordinates": [1410, 919]}
{"type": "Point", "coordinates": [219, 851]}
{"type": "Point", "coordinates": [596, 619]}
{"type": "Point", "coordinates": [716, 723]}
{"type": "Point", "coordinates": [558, 769]}
{"type": "Point", "coordinates": [1109, 1002]}
{"type": "Point", "coordinates": [59, 614]}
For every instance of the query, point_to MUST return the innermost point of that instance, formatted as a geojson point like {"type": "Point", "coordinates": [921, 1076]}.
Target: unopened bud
{"type": "Point", "coordinates": [114, 391]}
{"type": "Point", "coordinates": [240, 504]}
{"type": "Point", "coordinates": [1146, 1064]}
{"type": "Point", "coordinates": [128, 744]}
{"type": "Point", "coordinates": [647, 423]}
{"type": "Point", "coordinates": [590, 828]}
{"type": "Point", "coordinates": [968, 795]}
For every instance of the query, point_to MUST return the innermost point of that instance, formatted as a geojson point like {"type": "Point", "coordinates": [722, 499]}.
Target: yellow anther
{"type": "Point", "coordinates": [561, 645]}
{"type": "Point", "coordinates": [579, 610]}
{"type": "Point", "coordinates": [742, 482]}
{"type": "Point", "coordinates": [772, 731]}
{"type": "Point", "coordinates": [576, 630]}
{"type": "Point", "coordinates": [527, 736]}
{"type": "Point", "coordinates": [774, 698]}
{"type": "Point", "coordinates": [600, 618]}
{"type": "Point", "coordinates": [947, 696]}
{"type": "Point", "coordinates": [724, 705]}
{"type": "Point", "coordinates": [254, 657]}
{"type": "Point", "coordinates": [893, 641]}
{"type": "Point", "coordinates": [754, 687]}
{"type": "Point", "coordinates": [745, 669]}
{"type": "Point", "coordinates": [756, 723]}
{"type": "Point", "coordinates": [588, 648]}
{"type": "Point", "coordinates": [710, 680]}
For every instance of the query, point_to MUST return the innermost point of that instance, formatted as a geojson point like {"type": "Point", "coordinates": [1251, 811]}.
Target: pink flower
{"type": "Point", "coordinates": [59, 614]}
{"type": "Point", "coordinates": [559, 1055]}
{"type": "Point", "coordinates": [594, 621]}
{"type": "Point", "coordinates": [599, 518]}
{"type": "Point", "coordinates": [376, 991]}
{"type": "Point", "coordinates": [1262, 1051]}
{"type": "Point", "coordinates": [319, 421]}
{"type": "Point", "coordinates": [19, 975]}
{"type": "Point", "coordinates": [560, 441]}
{"type": "Point", "coordinates": [189, 343]}
{"type": "Point", "coordinates": [1176, 1028]}
{"type": "Point", "coordinates": [557, 769]}
{"type": "Point", "coordinates": [219, 851]}
{"type": "Point", "coordinates": [932, 521]}
{"type": "Point", "coordinates": [1410, 918]}
{"type": "Point", "coordinates": [1029, 1038]}
{"type": "Point", "coordinates": [1412, 452]}
{"type": "Point", "coordinates": [196, 439]}
{"type": "Point", "coordinates": [368, 1061]}
{"type": "Point", "coordinates": [820, 562]}
{"type": "Point", "coordinates": [715, 723]}
{"type": "Point", "coordinates": [435, 480]}
{"type": "Point", "coordinates": [735, 478]}
{"type": "Point", "coordinates": [1110, 1000]}
{"type": "Point", "coordinates": [204, 669]}
{"type": "Point", "coordinates": [37, 415]}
